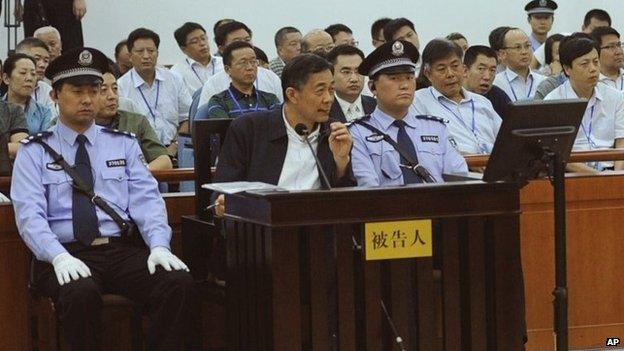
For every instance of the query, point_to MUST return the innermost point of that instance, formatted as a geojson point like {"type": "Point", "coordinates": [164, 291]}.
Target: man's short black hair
{"type": "Point", "coordinates": [219, 23]}
{"type": "Point", "coordinates": [598, 14]}
{"type": "Point", "coordinates": [470, 56]}
{"type": "Point", "coordinates": [181, 33]}
{"type": "Point", "coordinates": [112, 68]}
{"type": "Point", "coordinates": [298, 70]}
{"type": "Point", "coordinates": [142, 33]}
{"type": "Point", "coordinates": [497, 36]}
{"type": "Point", "coordinates": [229, 50]}
{"type": "Point", "coordinates": [573, 47]}
{"type": "Point", "coordinates": [378, 25]}
{"type": "Point", "coordinates": [224, 30]}
{"type": "Point", "coordinates": [456, 36]}
{"type": "Point", "coordinates": [280, 35]}
{"type": "Point", "coordinates": [334, 29]}
{"type": "Point", "coordinates": [261, 55]}
{"type": "Point", "coordinates": [600, 32]}
{"type": "Point", "coordinates": [31, 42]}
{"type": "Point", "coordinates": [119, 47]}
{"type": "Point", "coordinates": [392, 27]}
{"type": "Point", "coordinates": [439, 49]}
{"type": "Point", "coordinates": [343, 50]}
{"type": "Point", "coordinates": [550, 41]}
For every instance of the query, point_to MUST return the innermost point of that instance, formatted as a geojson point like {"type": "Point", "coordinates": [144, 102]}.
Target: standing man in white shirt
{"type": "Point", "coordinates": [198, 65]}
{"type": "Point", "coordinates": [472, 122]}
{"type": "Point", "coordinates": [517, 80]}
{"type": "Point", "coordinates": [266, 80]}
{"type": "Point", "coordinates": [602, 126]}
{"type": "Point", "coordinates": [611, 57]}
{"type": "Point", "coordinates": [161, 95]}
{"type": "Point", "coordinates": [349, 104]}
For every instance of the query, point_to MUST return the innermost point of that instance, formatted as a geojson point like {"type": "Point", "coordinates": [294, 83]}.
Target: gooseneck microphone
{"type": "Point", "coordinates": [302, 130]}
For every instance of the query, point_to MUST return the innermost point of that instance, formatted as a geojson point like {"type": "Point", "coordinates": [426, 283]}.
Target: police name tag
{"type": "Point", "coordinates": [395, 240]}
{"type": "Point", "coordinates": [430, 138]}
{"type": "Point", "coordinates": [53, 166]}
{"type": "Point", "coordinates": [116, 163]}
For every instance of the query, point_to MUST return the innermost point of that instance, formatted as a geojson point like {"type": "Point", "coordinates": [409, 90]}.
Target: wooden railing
{"type": "Point", "coordinates": [182, 174]}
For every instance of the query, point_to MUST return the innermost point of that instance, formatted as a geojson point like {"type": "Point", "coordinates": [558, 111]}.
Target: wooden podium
{"type": "Point", "coordinates": [298, 278]}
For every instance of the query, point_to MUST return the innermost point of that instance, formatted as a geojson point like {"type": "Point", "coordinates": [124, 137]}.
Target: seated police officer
{"type": "Point", "coordinates": [394, 145]}
{"type": "Point", "coordinates": [80, 242]}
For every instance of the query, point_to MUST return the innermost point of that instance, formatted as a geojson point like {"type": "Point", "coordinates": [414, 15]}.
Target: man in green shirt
{"type": "Point", "coordinates": [241, 64]}
{"type": "Point", "coordinates": [111, 116]}
{"type": "Point", "coordinates": [13, 127]}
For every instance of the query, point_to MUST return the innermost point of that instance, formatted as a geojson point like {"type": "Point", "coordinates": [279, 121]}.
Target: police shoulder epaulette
{"type": "Point", "coordinates": [363, 119]}
{"type": "Point", "coordinates": [35, 137]}
{"type": "Point", "coordinates": [432, 118]}
{"type": "Point", "coordinates": [117, 131]}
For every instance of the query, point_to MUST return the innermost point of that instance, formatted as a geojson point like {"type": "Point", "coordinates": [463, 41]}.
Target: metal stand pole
{"type": "Point", "coordinates": [561, 290]}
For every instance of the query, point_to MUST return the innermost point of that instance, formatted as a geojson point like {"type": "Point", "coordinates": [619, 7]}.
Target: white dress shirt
{"type": "Point", "coordinates": [472, 123]}
{"type": "Point", "coordinates": [353, 110]}
{"type": "Point", "coordinates": [603, 121]}
{"type": "Point", "coordinates": [516, 87]}
{"type": "Point", "coordinates": [165, 104]}
{"type": "Point", "coordinates": [265, 81]}
{"type": "Point", "coordinates": [617, 84]}
{"type": "Point", "coordinates": [195, 74]}
{"type": "Point", "coordinates": [299, 171]}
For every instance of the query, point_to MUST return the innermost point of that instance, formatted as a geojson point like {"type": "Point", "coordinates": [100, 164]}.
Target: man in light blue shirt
{"type": "Point", "coordinates": [375, 162]}
{"type": "Point", "coordinates": [517, 80]}
{"type": "Point", "coordinates": [81, 249]}
{"type": "Point", "coordinates": [472, 122]}
{"type": "Point", "coordinates": [602, 126]}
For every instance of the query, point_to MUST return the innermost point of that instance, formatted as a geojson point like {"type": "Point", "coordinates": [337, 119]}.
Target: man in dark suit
{"type": "Point", "coordinates": [265, 147]}
{"type": "Point", "coordinates": [349, 104]}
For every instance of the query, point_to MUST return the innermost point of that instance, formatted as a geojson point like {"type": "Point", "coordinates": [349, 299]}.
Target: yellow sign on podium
{"type": "Point", "coordinates": [401, 239]}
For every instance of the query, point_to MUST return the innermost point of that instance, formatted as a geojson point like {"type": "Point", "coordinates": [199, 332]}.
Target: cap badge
{"type": "Point", "coordinates": [543, 3]}
{"type": "Point", "coordinates": [397, 48]}
{"type": "Point", "coordinates": [85, 58]}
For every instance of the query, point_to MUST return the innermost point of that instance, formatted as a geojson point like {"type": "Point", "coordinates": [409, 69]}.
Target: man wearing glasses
{"type": "Point", "coordinates": [317, 40]}
{"type": "Point", "coordinates": [611, 57]}
{"type": "Point", "coordinates": [199, 64]}
{"type": "Point", "coordinates": [517, 80]}
{"type": "Point", "coordinates": [341, 34]}
{"type": "Point", "coordinates": [241, 96]}
{"type": "Point", "coordinates": [288, 45]}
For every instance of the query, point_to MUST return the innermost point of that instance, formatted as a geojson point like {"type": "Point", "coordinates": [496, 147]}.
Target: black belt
{"type": "Point", "coordinates": [99, 241]}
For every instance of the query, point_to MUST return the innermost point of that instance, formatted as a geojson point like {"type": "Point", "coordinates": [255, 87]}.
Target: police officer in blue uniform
{"type": "Point", "coordinates": [81, 249]}
{"type": "Point", "coordinates": [427, 150]}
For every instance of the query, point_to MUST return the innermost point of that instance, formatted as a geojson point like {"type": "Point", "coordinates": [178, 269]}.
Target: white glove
{"type": "Point", "coordinates": [162, 256]}
{"type": "Point", "coordinates": [68, 268]}
{"type": "Point", "coordinates": [4, 198]}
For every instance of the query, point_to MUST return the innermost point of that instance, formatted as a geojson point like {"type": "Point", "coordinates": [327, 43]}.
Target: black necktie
{"type": "Point", "coordinates": [83, 210]}
{"type": "Point", "coordinates": [405, 143]}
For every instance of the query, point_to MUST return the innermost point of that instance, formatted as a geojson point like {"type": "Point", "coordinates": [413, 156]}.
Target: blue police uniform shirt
{"type": "Point", "coordinates": [472, 122]}
{"type": "Point", "coordinates": [41, 191]}
{"type": "Point", "coordinates": [377, 163]}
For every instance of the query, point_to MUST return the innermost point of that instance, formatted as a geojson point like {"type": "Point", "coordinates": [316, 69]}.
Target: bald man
{"type": "Point", "coordinates": [317, 40]}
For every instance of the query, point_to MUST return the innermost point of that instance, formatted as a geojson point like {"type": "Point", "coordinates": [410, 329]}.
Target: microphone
{"type": "Point", "coordinates": [302, 130]}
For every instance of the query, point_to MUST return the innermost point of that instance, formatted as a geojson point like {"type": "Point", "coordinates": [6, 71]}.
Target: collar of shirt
{"type": "Point", "coordinates": [602, 77]}
{"type": "Point", "coordinates": [138, 81]}
{"type": "Point", "coordinates": [513, 75]}
{"type": "Point", "coordinates": [240, 95]}
{"type": "Point", "coordinates": [292, 134]}
{"type": "Point", "coordinates": [345, 105]}
{"type": "Point", "coordinates": [571, 94]}
{"type": "Point", "coordinates": [69, 135]}
{"type": "Point", "coordinates": [465, 93]}
{"type": "Point", "coordinates": [385, 120]}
